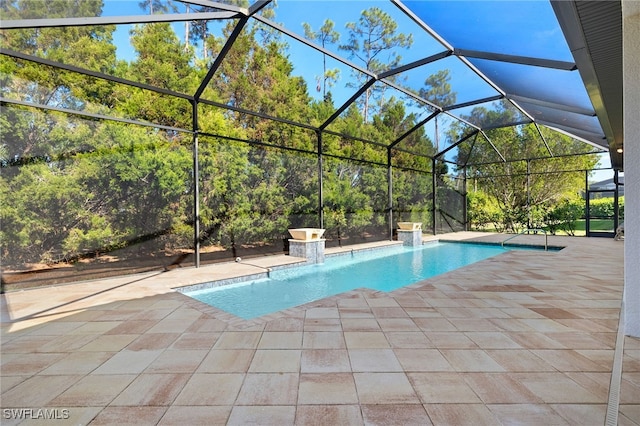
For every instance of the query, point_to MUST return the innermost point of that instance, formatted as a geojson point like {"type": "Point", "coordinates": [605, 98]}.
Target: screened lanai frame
{"type": "Point", "coordinates": [548, 110]}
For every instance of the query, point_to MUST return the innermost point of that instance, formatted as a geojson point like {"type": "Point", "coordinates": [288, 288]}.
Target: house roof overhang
{"type": "Point", "coordinates": [593, 30]}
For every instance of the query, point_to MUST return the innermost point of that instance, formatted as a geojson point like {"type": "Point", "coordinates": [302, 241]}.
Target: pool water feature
{"type": "Point", "coordinates": [382, 269]}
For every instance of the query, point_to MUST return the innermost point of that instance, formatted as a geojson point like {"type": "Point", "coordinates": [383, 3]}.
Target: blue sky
{"type": "Point", "coordinates": [526, 28]}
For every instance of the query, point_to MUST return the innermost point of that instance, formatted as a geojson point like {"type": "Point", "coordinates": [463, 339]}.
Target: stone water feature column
{"type": "Point", "coordinates": [307, 243]}
{"type": "Point", "coordinates": [410, 233]}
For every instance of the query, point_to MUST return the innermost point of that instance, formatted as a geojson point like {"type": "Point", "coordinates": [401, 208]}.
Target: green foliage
{"type": "Point", "coordinates": [483, 212]}
{"type": "Point", "coordinates": [74, 187]}
{"type": "Point", "coordinates": [412, 197]}
{"type": "Point", "coordinates": [564, 216]}
{"type": "Point", "coordinates": [244, 198]}
{"type": "Point", "coordinates": [438, 90]}
{"type": "Point", "coordinates": [88, 47]}
{"type": "Point", "coordinates": [352, 197]}
{"type": "Point", "coordinates": [604, 207]}
{"type": "Point", "coordinates": [373, 35]}
{"type": "Point", "coordinates": [97, 234]}
{"type": "Point", "coordinates": [162, 62]}
{"type": "Point", "coordinates": [524, 190]}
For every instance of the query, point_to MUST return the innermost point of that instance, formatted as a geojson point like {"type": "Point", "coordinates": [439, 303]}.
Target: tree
{"type": "Point", "coordinates": [49, 198]}
{"type": "Point", "coordinates": [187, 28]}
{"type": "Point", "coordinates": [140, 183]}
{"type": "Point", "coordinates": [250, 194]}
{"type": "Point", "coordinates": [156, 6]}
{"type": "Point", "coordinates": [373, 35]}
{"type": "Point", "coordinates": [325, 35]}
{"type": "Point", "coordinates": [259, 78]}
{"type": "Point", "coordinates": [525, 190]}
{"type": "Point", "coordinates": [354, 197]}
{"type": "Point", "coordinates": [564, 215]}
{"type": "Point", "coordinates": [483, 211]}
{"type": "Point", "coordinates": [162, 62]}
{"type": "Point", "coordinates": [438, 91]}
{"type": "Point", "coordinates": [200, 31]}
{"type": "Point", "coordinates": [87, 47]}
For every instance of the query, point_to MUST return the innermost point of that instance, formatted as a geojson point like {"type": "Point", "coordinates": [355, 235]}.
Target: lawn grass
{"type": "Point", "coordinates": [595, 225]}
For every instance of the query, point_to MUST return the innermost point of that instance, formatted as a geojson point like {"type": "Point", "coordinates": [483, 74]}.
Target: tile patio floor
{"type": "Point", "coordinates": [525, 338]}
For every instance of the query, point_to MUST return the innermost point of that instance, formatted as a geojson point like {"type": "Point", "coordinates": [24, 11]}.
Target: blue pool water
{"type": "Point", "coordinates": [384, 269]}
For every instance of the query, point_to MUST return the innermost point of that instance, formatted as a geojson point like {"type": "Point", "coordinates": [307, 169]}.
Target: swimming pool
{"type": "Point", "coordinates": [383, 269]}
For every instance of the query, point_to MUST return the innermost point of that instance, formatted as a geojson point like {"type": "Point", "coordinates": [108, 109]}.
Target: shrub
{"type": "Point", "coordinates": [604, 207]}
{"type": "Point", "coordinates": [564, 216]}
{"type": "Point", "coordinates": [483, 211]}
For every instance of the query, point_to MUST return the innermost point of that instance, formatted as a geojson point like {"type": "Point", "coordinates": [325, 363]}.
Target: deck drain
{"type": "Point", "coordinates": [616, 375]}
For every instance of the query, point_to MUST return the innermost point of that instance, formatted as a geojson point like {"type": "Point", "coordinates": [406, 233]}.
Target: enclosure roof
{"type": "Point", "coordinates": [556, 64]}
{"type": "Point", "coordinates": [563, 70]}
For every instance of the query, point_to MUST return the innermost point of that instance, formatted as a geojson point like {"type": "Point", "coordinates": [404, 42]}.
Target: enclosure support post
{"type": "Point", "coordinates": [434, 185]}
{"type": "Point", "coordinates": [616, 202]}
{"type": "Point", "coordinates": [196, 187]}
{"type": "Point", "coordinates": [587, 208]}
{"type": "Point", "coordinates": [529, 224]}
{"type": "Point", "coordinates": [390, 192]}
{"type": "Point", "coordinates": [464, 201]}
{"type": "Point", "coordinates": [320, 192]}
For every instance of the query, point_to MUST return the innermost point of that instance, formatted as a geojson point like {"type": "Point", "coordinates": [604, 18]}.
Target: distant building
{"type": "Point", "coordinates": [608, 185]}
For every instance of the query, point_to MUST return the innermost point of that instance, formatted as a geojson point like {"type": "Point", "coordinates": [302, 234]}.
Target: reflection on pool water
{"type": "Point", "coordinates": [381, 269]}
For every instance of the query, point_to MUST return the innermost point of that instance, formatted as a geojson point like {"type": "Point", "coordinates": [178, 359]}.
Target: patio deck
{"type": "Point", "coordinates": [526, 338]}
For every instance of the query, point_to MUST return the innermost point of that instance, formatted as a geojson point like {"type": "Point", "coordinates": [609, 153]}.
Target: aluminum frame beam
{"type": "Point", "coordinates": [449, 148]}
{"type": "Point", "coordinates": [544, 140]}
{"type": "Point", "coordinates": [115, 20]}
{"type": "Point", "coordinates": [413, 129]}
{"type": "Point", "coordinates": [493, 146]}
{"type": "Point", "coordinates": [578, 134]}
{"type": "Point", "coordinates": [222, 6]}
{"type": "Point", "coordinates": [415, 64]}
{"type": "Point", "coordinates": [552, 105]}
{"type": "Point", "coordinates": [514, 59]}
{"type": "Point", "coordinates": [566, 12]}
{"type": "Point", "coordinates": [473, 145]}
{"type": "Point", "coordinates": [346, 105]}
{"type": "Point", "coordinates": [94, 116]}
{"type": "Point", "coordinates": [474, 102]}
{"type": "Point", "coordinates": [510, 124]}
{"type": "Point", "coordinates": [258, 6]}
{"type": "Point", "coordinates": [218, 61]}
{"type": "Point", "coordinates": [91, 73]}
